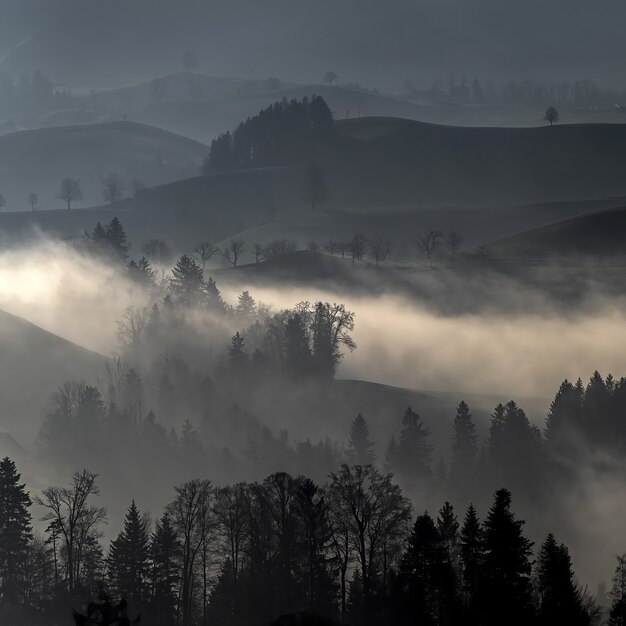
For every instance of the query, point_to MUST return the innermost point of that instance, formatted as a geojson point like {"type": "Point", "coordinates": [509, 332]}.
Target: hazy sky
{"type": "Point", "coordinates": [379, 43]}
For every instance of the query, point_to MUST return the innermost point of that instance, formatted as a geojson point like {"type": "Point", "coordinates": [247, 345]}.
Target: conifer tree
{"type": "Point", "coordinates": [15, 533]}
{"type": "Point", "coordinates": [187, 280]}
{"type": "Point", "coordinates": [412, 462]}
{"type": "Point", "coordinates": [560, 600]}
{"type": "Point", "coordinates": [360, 447]}
{"type": "Point", "coordinates": [116, 239]}
{"type": "Point", "coordinates": [246, 304]}
{"type": "Point", "coordinates": [506, 581]}
{"type": "Point", "coordinates": [471, 547]}
{"type": "Point", "coordinates": [164, 578]}
{"type": "Point", "coordinates": [428, 593]}
{"type": "Point", "coordinates": [448, 527]}
{"type": "Point", "coordinates": [464, 448]}
{"type": "Point", "coordinates": [128, 559]}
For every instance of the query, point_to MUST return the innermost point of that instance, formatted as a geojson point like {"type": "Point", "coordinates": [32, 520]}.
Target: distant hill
{"type": "Point", "coordinates": [396, 161]}
{"type": "Point", "coordinates": [34, 363]}
{"type": "Point", "coordinates": [37, 160]}
{"type": "Point", "coordinates": [601, 235]}
{"type": "Point", "coordinates": [383, 176]}
{"type": "Point", "coordinates": [182, 213]}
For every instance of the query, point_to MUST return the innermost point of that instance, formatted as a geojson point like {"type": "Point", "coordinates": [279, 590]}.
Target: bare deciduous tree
{"type": "Point", "coordinates": [375, 509]}
{"type": "Point", "coordinates": [430, 243]}
{"type": "Point", "coordinates": [157, 251]}
{"type": "Point", "coordinates": [259, 253]}
{"type": "Point", "coordinates": [68, 509]}
{"type": "Point", "coordinates": [234, 250]}
{"type": "Point", "coordinates": [189, 512]}
{"type": "Point", "coordinates": [357, 247]}
{"type": "Point", "coordinates": [70, 191]}
{"type": "Point", "coordinates": [380, 249]}
{"type": "Point", "coordinates": [204, 252]}
{"type": "Point", "coordinates": [131, 326]}
{"type": "Point", "coordinates": [113, 188]}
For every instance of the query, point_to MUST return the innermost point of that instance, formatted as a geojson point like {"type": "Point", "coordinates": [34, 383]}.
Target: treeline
{"type": "Point", "coordinates": [579, 93]}
{"type": "Point", "coordinates": [286, 132]}
{"type": "Point", "coordinates": [247, 553]}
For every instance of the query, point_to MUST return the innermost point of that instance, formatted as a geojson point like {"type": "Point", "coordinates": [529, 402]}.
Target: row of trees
{"type": "Point", "coordinates": [249, 552]}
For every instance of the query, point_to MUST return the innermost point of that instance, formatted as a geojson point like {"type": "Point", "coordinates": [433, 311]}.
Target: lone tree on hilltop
{"type": "Point", "coordinates": [551, 115]}
{"type": "Point", "coordinates": [33, 200]}
{"type": "Point", "coordinates": [70, 191]}
{"type": "Point", "coordinates": [330, 77]}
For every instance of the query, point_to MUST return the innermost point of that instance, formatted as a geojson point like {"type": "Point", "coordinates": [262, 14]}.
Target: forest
{"type": "Point", "coordinates": [336, 530]}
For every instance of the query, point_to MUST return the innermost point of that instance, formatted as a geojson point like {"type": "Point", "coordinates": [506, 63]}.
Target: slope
{"type": "Point", "coordinates": [37, 160]}
{"type": "Point", "coordinates": [34, 363]}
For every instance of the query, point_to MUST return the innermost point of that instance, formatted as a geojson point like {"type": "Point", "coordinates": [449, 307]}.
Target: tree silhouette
{"type": "Point", "coordinates": [360, 447]}
{"type": "Point", "coordinates": [506, 581]}
{"type": "Point", "coordinates": [74, 519]}
{"type": "Point", "coordinates": [15, 533]}
{"type": "Point", "coordinates": [330, 77]}
{"type": "Point", "coordinates": [113, 188]}
{"type": "Point", "coordinates": [70, 191]}
{"type": "Point", "coordinates": [235, 249]}
{"type": "Point", "coordinates": [560, 598]}
{"type": "Point", "coordinates": [128, 559]}
{"type": "Point", "coordinates": [551, 115]}
{"type": "Point", "coordinates": [464, 448]}
{"type": "Point", "coordinates": [33, 200]}
{"type": "Point", "coordinates": [430, 243]}
{"type": "Point", "coordinates": [187, 280]}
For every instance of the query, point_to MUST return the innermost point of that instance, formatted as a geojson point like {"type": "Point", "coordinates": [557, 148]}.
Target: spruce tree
{"type": "Point", "coordinates": [164, 577]}
{"type": "Point", "coordinates": [471, 548]}
{"type": "Point", "coordinates": [360, 447]}
{"type": "Point", "coordinates": [116, 240]}
{"type": "Point", "coordinates": [129, 558]}
{"type": "Point", "coordinates": [15, 533]}
{"type": "Point", "coordinates": [413, 454]}
{"type": "Point", "coordinates": [426, 580]}
{"type": "Point", "coordinates": [464, 448]}
{"type": "Point", "coordinates": [560, 600]}
{"type": "Point", "coordinates": [506, 589]}
{"type": "Point", "coordinates": [186, 282]}
{"type": "Point", "coordinates": [448, 527]}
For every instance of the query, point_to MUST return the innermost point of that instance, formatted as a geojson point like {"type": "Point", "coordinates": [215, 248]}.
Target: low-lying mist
{"type": "Point", "coordinates": [401, 341]}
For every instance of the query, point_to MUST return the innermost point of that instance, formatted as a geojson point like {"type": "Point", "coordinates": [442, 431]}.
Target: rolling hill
{"type": "Point", "coordinates": [600, 235]}
{"type": "Point", "coordinates": [37, 160]}
{"type": "Point", "coordinates": [392, 177]}
{"type": "Point", "coordinates": [34, 363]}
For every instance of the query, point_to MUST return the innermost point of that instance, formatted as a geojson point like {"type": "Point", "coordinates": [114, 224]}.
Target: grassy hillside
{"type": "Point", "coordinates": [384, 176]}
{"type": "Point", "coordinates": [34, 363]}
{"type": "Point", "coordinates": [37, 160]}
{"type": "Point", "coordinates": [599, 235]}
{"type": "Point", "coordinates": [182, 213]}
{"type": "Point", "coordinates": [394, 161]}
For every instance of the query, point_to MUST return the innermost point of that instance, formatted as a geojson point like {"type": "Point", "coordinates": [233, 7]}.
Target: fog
{"type": "Point", "coordinates": [401, 342]}
{"type": "Point", "coordinates": [372, 42]}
